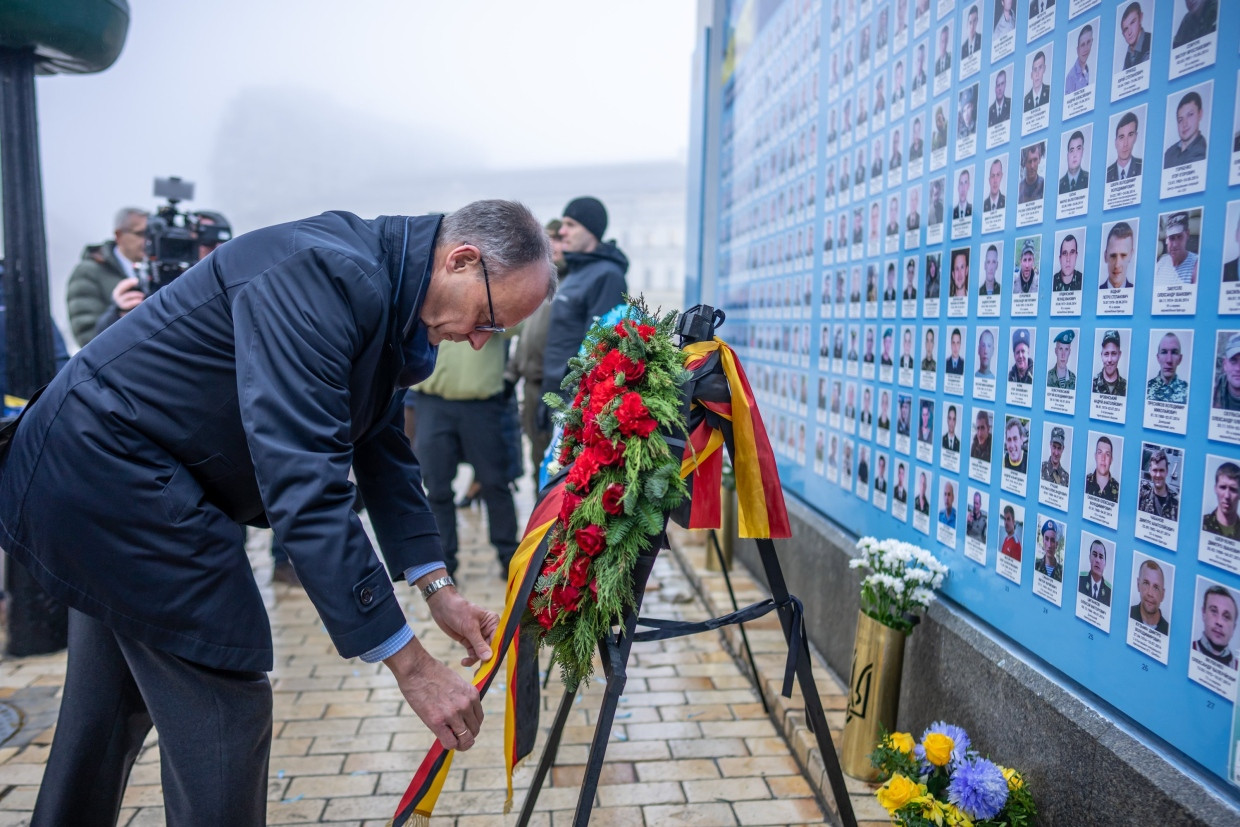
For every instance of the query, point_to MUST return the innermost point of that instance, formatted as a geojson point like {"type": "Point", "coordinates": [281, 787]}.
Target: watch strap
{"type": "Point", "coordinates": [436, 585]}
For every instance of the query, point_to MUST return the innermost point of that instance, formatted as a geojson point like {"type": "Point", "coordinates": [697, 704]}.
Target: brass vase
{"type": "Point", "coordinates": [873, 693]}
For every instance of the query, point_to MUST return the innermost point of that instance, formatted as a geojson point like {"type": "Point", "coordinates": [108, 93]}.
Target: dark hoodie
{"type": "Point", "coordinates": [593, 285]}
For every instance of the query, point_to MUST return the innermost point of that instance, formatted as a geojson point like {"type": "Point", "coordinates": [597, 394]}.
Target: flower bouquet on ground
{"type": "Point", "coordinates": [899, 582]}
{"type": "Point", "coordinates": [623, 482]}
{"type": "Point", "coordinates": [944, 781]}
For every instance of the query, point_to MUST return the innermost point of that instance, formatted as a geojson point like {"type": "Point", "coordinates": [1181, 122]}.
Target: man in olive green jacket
{"type": "Point", "coordinates": [102, 267]}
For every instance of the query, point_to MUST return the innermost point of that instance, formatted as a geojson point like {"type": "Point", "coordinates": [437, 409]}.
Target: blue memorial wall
{"type": "Point", "coordinates": [980, 260]}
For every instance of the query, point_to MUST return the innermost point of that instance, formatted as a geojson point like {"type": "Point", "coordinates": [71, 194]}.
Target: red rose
{"type": "Point", "coordinates": [594, 589]}
{"type": "Point", "coordinates": [633, 371]}
{"type": "Point", "coordinates": [591, 433]}
{"type": "Point", "coordinates": [609, 453]}
{"type": "Point", "coordinates": [546, 618]}
{"type": "Point", "coordinates": [607, 368]}
{"type": "Point", "coordinates": [584, 469]}
{"type": "Point", "coordinates": [565, 598]}
{"type": "Point", "coordinates": [592, 539]}
{"type": "Point", "coordinates": [633, 416]}
{"type": "Point", "coordinates": [613, 498]}
{"type": "Point", "coordinates": [645, 331]}
{"type": "Point", "coordinates": [579, 572]}
{"type": "Point", "coordinates": [602, 395]}
{"type": "Point", "coordinates": [568, 506]}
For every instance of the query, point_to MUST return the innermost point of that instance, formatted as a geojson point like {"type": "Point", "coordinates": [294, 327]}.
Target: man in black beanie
{"type": "Point", "coordinates": [593, 285]}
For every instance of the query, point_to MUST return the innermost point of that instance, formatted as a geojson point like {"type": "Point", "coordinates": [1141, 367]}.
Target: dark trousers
{"type": "Point", "coordinates": [454, 431]}
{"type": "Point", "coordinates": [214, 734]}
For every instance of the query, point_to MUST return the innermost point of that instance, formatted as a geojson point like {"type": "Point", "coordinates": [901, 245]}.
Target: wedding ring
{"type": "Point", "coordinates": [459, 735]}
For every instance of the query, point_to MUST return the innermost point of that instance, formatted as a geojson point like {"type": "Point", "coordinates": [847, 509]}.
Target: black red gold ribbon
{"type": "Point", "coordinates": [761, 513]}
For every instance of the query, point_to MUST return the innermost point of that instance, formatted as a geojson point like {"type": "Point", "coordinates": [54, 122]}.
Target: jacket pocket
{"type": "Point", "coordinates": [211, 468]}
{"type": "Point", "coordinates": [181, 493]}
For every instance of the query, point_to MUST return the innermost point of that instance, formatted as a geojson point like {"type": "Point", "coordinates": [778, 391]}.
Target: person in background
{"type": "Point", "coordinates": [526, 364]}
{"type": "Point", "coordinates": [593, 284]}
{"type": "Point", "coordinates": [103, 266]}
{"type": "Point", "coordinates": [210, 230]}
{"type": "Point", "coordinates": [462, 406]}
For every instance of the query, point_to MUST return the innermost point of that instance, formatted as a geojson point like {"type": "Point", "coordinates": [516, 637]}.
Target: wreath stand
{"type": "Point", "coordinates": [707, 384]}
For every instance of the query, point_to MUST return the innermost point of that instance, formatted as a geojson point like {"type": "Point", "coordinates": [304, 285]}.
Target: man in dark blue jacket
{"type": "Point", "coordinates": [593, 285]}
{"type": "Point", "coordinates": [242, 394]}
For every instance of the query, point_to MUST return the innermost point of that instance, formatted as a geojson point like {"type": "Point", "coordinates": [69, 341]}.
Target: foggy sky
{"type": "Point", "coordinates": [285, 100]}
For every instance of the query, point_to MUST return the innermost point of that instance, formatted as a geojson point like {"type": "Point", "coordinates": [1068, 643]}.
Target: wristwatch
{"type": "Point", "coordinates": [436, 585]}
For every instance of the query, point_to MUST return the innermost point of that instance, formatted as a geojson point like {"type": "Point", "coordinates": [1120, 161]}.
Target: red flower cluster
{"type": "Point", "coordinates": [614, 377]}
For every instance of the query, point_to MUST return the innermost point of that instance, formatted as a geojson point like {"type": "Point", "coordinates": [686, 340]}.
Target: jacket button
{"type": "Point", "coordinates": [366, 596]}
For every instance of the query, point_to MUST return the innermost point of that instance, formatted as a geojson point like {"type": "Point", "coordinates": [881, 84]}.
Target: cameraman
{"type": "Point", "coordinates": [211, 230]}
{"type": "Point", "coordinates": [101, 268]}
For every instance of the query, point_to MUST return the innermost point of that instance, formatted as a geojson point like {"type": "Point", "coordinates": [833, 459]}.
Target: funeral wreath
{"type": "Point", "coordinates": [622, 482]}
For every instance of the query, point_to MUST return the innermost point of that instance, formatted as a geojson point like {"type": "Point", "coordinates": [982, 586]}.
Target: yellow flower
{"type": "Point", "coordinates": [938, 748]}
{"type": "Point", "coordinates": [901, 741]}
{"type": "Point", "coordinates": [1015, 782]}
{"type": "Point", "coordinates": [896, 793]}
{"type": "Point", "coordinates": [955, 817]}
{"type": "Point", "coordinates": [931, 808]}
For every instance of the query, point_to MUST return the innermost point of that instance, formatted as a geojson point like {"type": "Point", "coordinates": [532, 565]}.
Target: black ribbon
{"type": "Point", "coordinates": [663, 629]}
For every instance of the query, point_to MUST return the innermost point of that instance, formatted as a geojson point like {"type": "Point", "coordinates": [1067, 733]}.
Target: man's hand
{"type": "Point", "coordinates": [446, 702]}
{"type": "Point", "coordinates": [469, 625]}
{"type": "Point", "coordinates": [126, 295]}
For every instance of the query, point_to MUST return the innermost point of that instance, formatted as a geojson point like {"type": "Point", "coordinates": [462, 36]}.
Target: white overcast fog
{"type": "Point", "coordinates": [281, 108]}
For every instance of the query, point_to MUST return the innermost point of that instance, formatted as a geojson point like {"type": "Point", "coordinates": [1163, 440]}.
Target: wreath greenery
{"type": "Point", "coordinates": [624, 479]}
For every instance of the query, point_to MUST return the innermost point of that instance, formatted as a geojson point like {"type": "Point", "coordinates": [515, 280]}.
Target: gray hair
{"type": "Point", "coordinates": [507, 235]}
{"type": "Point", "coordinates": [122, 222]}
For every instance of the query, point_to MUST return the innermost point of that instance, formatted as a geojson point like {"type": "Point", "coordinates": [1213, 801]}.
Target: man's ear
{"type": "Point", "coordinates": [463, 257]}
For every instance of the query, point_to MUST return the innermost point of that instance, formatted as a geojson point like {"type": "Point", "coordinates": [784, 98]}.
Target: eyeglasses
{"type": "Point", "coordinates": [492, 327]}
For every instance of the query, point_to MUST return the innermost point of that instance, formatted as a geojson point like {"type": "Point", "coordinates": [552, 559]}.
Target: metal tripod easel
{"type": "Point", "coordinates": [708, 382]}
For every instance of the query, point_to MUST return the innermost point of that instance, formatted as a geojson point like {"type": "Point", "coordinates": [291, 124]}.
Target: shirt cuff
{"type": "Point", "coordinates": [415, 573]}
{"type": "Point", "coordinates": [390, 646]}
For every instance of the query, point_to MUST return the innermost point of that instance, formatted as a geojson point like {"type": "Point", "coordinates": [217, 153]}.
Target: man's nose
{"type": "Point", "coordinates": [478, 339]}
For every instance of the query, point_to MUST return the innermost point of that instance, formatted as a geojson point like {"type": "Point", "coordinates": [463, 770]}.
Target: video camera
{"type": "Point", "coordinates": [175, 239]}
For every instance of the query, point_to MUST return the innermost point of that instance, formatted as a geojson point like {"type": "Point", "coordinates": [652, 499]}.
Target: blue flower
{"type": "Point", "coordinates": [978, 788]}
{"type": "Point", "coordinates": [959, 737]}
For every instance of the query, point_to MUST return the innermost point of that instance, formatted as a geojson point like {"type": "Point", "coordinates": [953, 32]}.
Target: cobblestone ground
{"type": "Point", "coordinates": [691, 745]}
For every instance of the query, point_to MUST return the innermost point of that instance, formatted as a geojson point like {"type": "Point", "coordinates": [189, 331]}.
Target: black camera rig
{"type": "Point", "coordinates": [175, 240]}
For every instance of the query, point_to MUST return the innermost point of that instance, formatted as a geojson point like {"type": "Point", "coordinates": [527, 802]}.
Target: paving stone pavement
{"type": "Point", "coordinates": [691, 744]}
